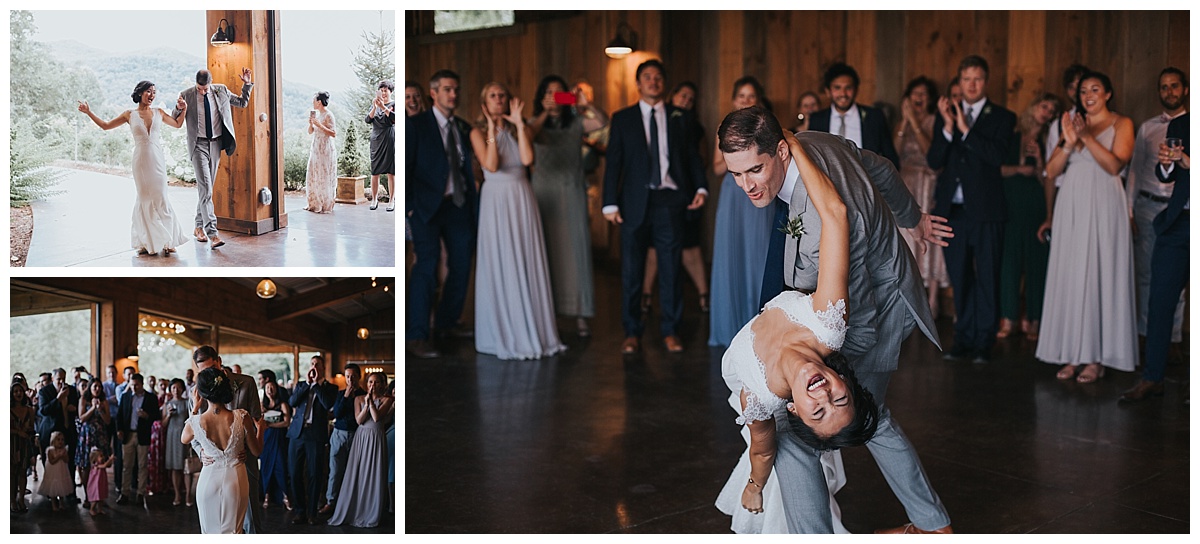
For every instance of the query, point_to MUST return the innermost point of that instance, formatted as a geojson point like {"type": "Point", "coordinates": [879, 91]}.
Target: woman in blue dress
{"type": "Point", "coordinates": [740, 240]}
{"type": "Point", "coordinates": [274, 452]}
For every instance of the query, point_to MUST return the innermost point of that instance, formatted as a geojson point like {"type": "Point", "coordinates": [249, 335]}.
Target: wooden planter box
{"type": "Point", "coordinates": [350, 190]}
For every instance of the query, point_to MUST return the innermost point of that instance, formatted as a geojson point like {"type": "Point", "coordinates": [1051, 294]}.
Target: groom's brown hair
{"type": "Point", "coordinates": [750, 126]}
{"type": "Point", "coordinates": [203, 77]}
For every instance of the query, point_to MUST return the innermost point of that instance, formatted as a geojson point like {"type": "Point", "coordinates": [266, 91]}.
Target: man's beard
{"type": "Point", "coordinates": [1171, 106]}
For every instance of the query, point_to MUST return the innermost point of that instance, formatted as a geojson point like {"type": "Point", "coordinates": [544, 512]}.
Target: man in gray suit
{"type": "Point", "coordinates": [209, 131]}
{"type": "Point", "coordinates": [887, 299]}
{"type": "Point", "coordinates": [245, 397]}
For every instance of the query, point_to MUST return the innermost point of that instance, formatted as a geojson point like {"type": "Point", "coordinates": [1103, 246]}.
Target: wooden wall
{"type": "Point", "coordinates": [788, 50]}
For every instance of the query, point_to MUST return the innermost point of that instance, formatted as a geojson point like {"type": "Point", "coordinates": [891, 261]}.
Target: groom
{"type": "Point", "coordinates": [886, 295]}
{"type": "Point", "coordinates": [209, 131]}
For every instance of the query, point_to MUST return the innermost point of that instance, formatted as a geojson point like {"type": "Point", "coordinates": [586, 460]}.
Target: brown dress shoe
{"type": "Point", "coordinates": [673, 344]}
{"type": "Point", "coordinates": [1142, 390]}
{"type": "Point", "coordinates": [910, 529]}
{"type": "Point", "coordinates": [630, 346]}
{"type": "Point", "coordinates": [421, 349]}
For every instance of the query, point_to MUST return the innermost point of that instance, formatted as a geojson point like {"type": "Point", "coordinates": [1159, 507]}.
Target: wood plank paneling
{"type": "Point", "coordinates": [1026, 58]}
{"type": "Point", "coordinates": [860, 52]}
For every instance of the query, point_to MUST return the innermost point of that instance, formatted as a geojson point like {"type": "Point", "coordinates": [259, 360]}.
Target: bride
{"type": "Point", "coordinates": [223, 492]}
{"type": "Point", "coordinates": [155, 225]}
{"type": "Point", "coordinates": [785, 361]}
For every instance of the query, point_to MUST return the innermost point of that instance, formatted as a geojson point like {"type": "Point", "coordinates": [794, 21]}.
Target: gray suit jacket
{"type": "Point", "coordinates": [224, 101]}
{"type": "Point", "coordinates": [886, 292]}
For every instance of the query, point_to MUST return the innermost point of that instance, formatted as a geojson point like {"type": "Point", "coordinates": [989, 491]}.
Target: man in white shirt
{"type": "Point", "coordinates": [865, 126]}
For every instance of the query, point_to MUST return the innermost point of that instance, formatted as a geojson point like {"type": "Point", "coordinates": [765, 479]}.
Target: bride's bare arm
{"type": "Point", "coordinates": [188, 435]}
{"type": "Point", "coordinates": [762, 459]}
{"type": "Point", "coordinates": [106, 125]}
{"type": "Point", "coordinates": [254, 434]}
{"type": "Point", "coordinates": [833, 268]}
{"type": "Point", "coordinates": [171, 121]}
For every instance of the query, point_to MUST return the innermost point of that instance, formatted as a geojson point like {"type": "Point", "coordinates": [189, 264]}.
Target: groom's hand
{"type": "Point", "coordinates": [932, 229]}
{"type": "Point", "coordinates": [246, 76]}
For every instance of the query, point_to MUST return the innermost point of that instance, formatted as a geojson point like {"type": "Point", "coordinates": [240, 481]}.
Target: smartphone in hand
{"type": "Point", "coordinates": [564, 99]}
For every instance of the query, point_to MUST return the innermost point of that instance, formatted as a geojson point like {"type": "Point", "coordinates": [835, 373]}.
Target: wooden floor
{"type": "Point", "coordinates": [593, 442]}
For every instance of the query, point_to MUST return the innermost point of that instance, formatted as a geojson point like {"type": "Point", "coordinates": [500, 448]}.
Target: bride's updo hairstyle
{"type": "Point", "coordinates": [322, 97]}
{"type": "Point", "coordinates": [214, 385]}
{"type": "Point", "coordinates": [860, 429]}
{"type": "Point", "coordinates": [139, 89]}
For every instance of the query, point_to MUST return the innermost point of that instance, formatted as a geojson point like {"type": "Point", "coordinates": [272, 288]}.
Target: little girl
{"type": "Point", "coordinates": [57, 482]}
{"type": "Point", "coordinates": [97, 488]}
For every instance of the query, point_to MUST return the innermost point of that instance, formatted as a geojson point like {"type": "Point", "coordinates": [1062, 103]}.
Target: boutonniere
{"type": "Point", "coordinates": [794, 228]}
{"type": "Point", "coordinates": [987, 109]}
{"type": "Point", "coordinates": [676, 113]}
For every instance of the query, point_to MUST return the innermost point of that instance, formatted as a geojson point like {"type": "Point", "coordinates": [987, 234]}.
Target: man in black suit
{"type": "Point", "coordinates": [653, 173]}
{"type": "Point", "coordinates": [863, 125]}
{"type": "Point", "coordinates": [1169, 262]}
{"type": "Point", "coordinates": [136, 415]}
{"type": "Point", "coordinates": [969, 143]}
{"type": "Point", "coordinates": [57, 410]}
{"type": "Point", "coordinates": [308, 435]}
{"type": "Point", "coordinates": [442, 207]}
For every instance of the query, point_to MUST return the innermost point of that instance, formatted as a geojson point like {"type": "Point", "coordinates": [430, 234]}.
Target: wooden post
{"type": "Point", "coordinates": [118, 333]}
{"type": "Point", "coordinates": [257, 162]}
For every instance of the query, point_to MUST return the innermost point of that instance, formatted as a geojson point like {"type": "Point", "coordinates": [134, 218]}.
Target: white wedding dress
{"type": "Point", "coordinates": [223, 491]}
{"type": "Point", "coordinates": [155, 225]}
{"type": "Point", "coordinates": [742, 369]}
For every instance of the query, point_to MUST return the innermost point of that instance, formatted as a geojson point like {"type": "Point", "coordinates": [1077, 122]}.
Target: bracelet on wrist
{"type": "Point", "coordinates": [755, 483]}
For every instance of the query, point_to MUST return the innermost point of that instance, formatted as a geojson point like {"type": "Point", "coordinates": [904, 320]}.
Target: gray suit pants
{"type": "Point", "coordinates": [206, 156]}
{"type": "Point", "coordinates": [802, 481]}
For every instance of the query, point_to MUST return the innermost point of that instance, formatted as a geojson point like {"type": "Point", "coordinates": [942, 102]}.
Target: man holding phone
{"type": "Point", "coordinates": [970, 140]}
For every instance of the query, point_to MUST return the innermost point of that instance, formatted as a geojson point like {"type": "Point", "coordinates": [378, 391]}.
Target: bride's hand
{"type": "Point", "coordinates": [84, 107]}
{"type": "Point", "coordinates": [752, 499]}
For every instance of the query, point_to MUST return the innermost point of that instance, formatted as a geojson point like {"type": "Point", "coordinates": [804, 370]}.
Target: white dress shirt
{"type": "Point", "coordinates": [853, 124]}
{"type": "Point", "coordinates": [1145, 158]}
{"type": "Point", "coordinates": [664, 164]}
{"type": "Point", "coordinates": [975, 109]}
{"type": "Point", "coordinates": [201, 122]}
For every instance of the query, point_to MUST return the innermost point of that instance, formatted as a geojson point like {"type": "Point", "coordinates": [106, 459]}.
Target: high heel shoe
{"type": "Point", "coordinates": [1005, 328]}
{"type": "Point", "coordinates": [1032, 333]}
{"type": "Point", "coordinates": [375, 204]}
{"type": "Point", "coordinates": [1067, 372]}
{"type": "Point", "coordinates": [1089, 374]}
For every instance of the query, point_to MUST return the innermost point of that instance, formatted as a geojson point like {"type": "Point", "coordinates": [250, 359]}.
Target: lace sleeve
{"type": "Point", "coordinates": [834, 320]}
{"type": "Point", "coordinates": [755, 410]}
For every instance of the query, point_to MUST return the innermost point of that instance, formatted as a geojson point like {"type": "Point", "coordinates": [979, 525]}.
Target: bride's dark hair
{"type": "Point", "coordinates": [860, 429]}
{"type": "Point", "coordinates": [214, 385]}
{"type": "Point", "coordinates": [139, 89]}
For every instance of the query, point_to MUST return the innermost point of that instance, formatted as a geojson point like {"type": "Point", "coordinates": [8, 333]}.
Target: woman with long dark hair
{"type": "Point", "coordinates": [320, 178]}
{"type": "Point", "coordinates": [912, 142]}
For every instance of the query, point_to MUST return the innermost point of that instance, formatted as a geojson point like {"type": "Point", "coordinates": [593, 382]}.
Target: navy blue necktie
{"type": "Point", "coordinates": [655, 165]}
{"type": "Point", "coordinates": [773, 275]}
{"type": "Point", "coordinates": [207, 118]}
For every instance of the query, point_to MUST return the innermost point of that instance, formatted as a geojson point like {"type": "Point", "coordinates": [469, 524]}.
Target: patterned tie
{"type": "Point", "coordinates": [459, 194]}
{"type": "Point", "coordinates": [773, 275]}
{"type": "Point", "coordinates": [970, 118]}
{"type": "Point", "coordinates": [842, 129]}
{"type": "Point", "coordinates": [655, 164]}
{"type": "Point", "coordinates": [207, 118]}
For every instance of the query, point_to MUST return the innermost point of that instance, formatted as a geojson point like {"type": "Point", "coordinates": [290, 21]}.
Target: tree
{"type": "Point", "coordinates": [350, 161]}
{"type": "Point", "coordinates": [30, 177]}
{"type": "Point", "coordinates": [374, 61]}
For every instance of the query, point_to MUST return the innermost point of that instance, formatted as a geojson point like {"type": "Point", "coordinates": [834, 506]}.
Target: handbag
{"type": "Point", "coordinates": [191, 464]}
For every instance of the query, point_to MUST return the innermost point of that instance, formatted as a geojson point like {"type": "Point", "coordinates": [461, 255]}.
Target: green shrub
{"type": "Point", "coordinates": [31, 177]}
{"type": "Point", "coordinates": [350, 161]}
{"type": "Point", "coordinates": [295, 163]}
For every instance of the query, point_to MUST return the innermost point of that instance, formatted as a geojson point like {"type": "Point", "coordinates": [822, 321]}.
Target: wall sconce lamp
{"type": "Point", "coordinates": [623, 44]}
{"type": "Point", "coordinates": [223, 36]}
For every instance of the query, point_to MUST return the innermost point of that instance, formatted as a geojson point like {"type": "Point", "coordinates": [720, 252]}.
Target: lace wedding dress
{"type": "Point", "coordinates": [155, 225]}
{"type": "Point", "coordinates": [742, 369]}
{"type": "Point", "coordinates": [223, 492]}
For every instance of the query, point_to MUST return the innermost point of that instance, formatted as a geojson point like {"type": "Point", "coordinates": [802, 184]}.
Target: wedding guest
{"type": "Point", "coordinates": [561, 192]}
{"type": "Point", "coordinates": [320, 180]}
{"type": "Point", "coordinates": [865, 126]}
{"type": "Point", "coordinates": [742, 234]}
{"type": "Point", "coordinates": [136, 414]}
{"type": "Point", "coordinates": [156, 465]}
{"type": "Point", "coordinates": [58, 404]}
{"type": "Point", "coordinates": [175, 414]}
{"type": "Point", "coordinates": [1023, 261]}
{"type": "Point", "coordinates": [1148, 197]}
{"type": "Point", "coordinates": [684, 98]}
{"type": "Point", "coordinates": [391, 445]}
{"type": "Point", "coordinates": [808, 104]}
{"type": "Point", "coordinates": [97, 486]}
{"type": "Point", "coordinates": [913, 138]}
{"type": "Point", "coordinates": [275, 444]}
{"type": "Point", "coordinates": [954, 91]}
{"type": "Point", "coordinates": [92, 426]}
{"type": "Point", "coordinates": [114, 404]}
{"type": "Point", "coordinates": [80, 378]}
{"type": "Point", "coordinates": [514, 307]}
{"type": "Point", "coordinates": [307, 437]}
{"type": "Point", "coordinates": [57, 483]}
{"type": "Point", "coordinates": [653, 173]}
{"type": "Point", "coordinates": [414, 103]}
{"type": "Point", "coordinates": [189, 380]}
{"type": "Point", "coordinates": [382, 118]}
{"type": "Point", "coordinates": [364, 490]}
{"type": "Point", "coordinates": [152, 385]}
{"type": "Point", "coordinates": [21, 444]}
{"type": "Point", "coordinates": [1089, 317]}
{"type": "Point", "coordinates": [342, 435]}
{"type": "Point", "coordinates": [1070, 83]}
{"type": "Point", "coordinates": [236, 368]}
{"type": "Point", "coordinates": [441, 204]}
{"type": "Point", "coordinates": [968, 145]}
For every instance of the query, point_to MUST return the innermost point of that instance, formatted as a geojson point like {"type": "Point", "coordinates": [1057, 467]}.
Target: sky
{"type": "Point", "coordinates": [309, 55]}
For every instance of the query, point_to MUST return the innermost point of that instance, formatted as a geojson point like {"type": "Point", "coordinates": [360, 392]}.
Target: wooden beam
{"type": "Point", "coordinates": [311, 301]}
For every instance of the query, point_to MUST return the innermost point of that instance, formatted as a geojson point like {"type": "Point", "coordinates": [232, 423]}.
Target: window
{"type": "Point", "coordinates": [445, 22]}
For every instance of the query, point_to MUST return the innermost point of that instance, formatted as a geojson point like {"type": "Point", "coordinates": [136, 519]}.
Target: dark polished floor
{"type": "Point", "coordinates": [593, 442]}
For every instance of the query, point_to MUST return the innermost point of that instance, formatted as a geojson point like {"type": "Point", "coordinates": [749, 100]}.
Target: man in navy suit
{"type": "Point", "coordinates": [863, 125]}
{"type": "Point", "coordinates": [653, 172]}
{"type": "Point", "coordinates": [136, 415]}
{"type": "Point", "coordinates": [1169, 262]}
{"type": "Point", "coordinates": [442, 207]}
{"type": "Point", "coordinates": [307, 435]}
{"type": "Point", "coordinates": [969, 143]}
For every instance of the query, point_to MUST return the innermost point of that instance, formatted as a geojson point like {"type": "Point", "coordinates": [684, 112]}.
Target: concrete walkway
{"type": "Point", "coordinates": [89, 224]}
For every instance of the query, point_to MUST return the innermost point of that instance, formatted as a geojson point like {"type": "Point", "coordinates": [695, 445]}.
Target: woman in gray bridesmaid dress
{"type": "Point", "coordinates": [363, 499]}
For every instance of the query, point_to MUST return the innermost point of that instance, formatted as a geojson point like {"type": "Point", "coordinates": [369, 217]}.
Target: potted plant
{"type": "Point", "coordinates": [350, 169]}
